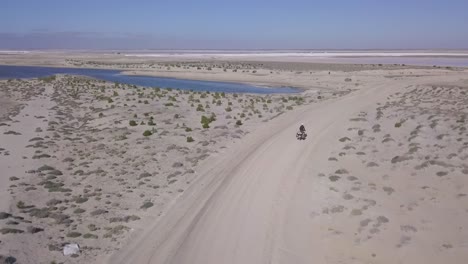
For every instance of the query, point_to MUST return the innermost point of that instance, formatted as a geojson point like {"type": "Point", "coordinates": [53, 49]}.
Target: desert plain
{"type": "Point", "coordinates": [153, 175]}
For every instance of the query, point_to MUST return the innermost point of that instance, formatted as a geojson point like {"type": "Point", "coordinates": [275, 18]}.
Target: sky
{"type": "Point", "coordinates": [235, 24]}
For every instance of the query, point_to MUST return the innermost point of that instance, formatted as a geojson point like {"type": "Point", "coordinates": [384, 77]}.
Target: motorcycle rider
{"type": "Point", "coordinates": [302, 128]}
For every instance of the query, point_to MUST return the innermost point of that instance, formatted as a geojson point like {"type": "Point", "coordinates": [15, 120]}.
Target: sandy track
{"type": "Point", "coordinates": [249, 207]}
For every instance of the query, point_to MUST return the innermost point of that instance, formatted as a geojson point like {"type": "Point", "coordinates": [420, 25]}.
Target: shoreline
{"type": "Point", "coordinates": [299, 90]}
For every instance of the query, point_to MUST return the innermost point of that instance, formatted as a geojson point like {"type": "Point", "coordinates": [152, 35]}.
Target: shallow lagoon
{"type": "Point", "coordinates": [20, 72]}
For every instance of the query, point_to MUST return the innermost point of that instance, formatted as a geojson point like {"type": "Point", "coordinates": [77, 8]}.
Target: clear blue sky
{"type": "Point", "coordinates": [235, 24]}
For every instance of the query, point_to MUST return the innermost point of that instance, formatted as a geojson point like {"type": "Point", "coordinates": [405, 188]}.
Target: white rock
{"type": "Point", "coordinates": [71, 249]}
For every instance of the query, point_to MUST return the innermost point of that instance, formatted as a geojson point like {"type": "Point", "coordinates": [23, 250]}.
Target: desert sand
{"type": "Point", "coordinates": [381, 178]}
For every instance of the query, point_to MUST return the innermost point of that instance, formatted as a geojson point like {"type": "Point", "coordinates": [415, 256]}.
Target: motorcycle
{"type": "Point", "coordinates": [301, 135]}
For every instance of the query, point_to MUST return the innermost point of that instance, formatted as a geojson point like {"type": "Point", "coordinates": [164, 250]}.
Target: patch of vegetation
{"type": "Point", "coordinates": [74, 234]}
{"type": "Point", "coordinates": [90, 236]}
{"type": "Point", "coordinates": [205, 121]}
{"type": "Point", "coordinates": [98, 212]}
{"type": "Point", "coordinates": [48, 79]}
{"type": "Point", "coordinates": [45, 168]}
{"type": "Point", "coordinates": [5, 231]}
{"type": "Point", "coordinates": [79, 211]}
{"type": "Point", "coordinates": [132, 123]}
{"type": "Point", "coordinates": [22, 205]}
{"type": "Point", "coordinates": [147, 205]}
{"type": "Point", "coordinates": [4, 215]}
{"type": "Point", "coordinates": [118, 230]}
{"type": "Point", "coordinates": [190, 139]}
{"type": "Point", "coordinates": [81, 200]}
{"type": "Point", "coordinates": [147, 133]}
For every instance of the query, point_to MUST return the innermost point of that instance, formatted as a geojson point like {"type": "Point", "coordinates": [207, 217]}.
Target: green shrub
{"type": "Point", "coordinates": [188, 129]}
{"type": "Point", "coordinates": [239, 123]}
{"type": "Point", "coordinates": [48, 79]}
{"type": "Point", "coordinates": [228, 109]}
{"type": "Point", "coordinates": [147, 133]}
{"type": "Point", "coordinates": [190, 139]}
{"type": "Point", "coordinates": [205, 119]}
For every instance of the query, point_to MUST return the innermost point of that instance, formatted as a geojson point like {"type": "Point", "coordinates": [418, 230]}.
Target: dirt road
{"type": "Point", "coordinates": [254, 204]}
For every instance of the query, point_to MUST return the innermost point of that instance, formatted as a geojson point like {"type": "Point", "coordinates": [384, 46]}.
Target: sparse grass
{"type": "Point", "coordinates": [74, 234]}
{"type": "Point", "coordinates": [5, 231]}
{"type": "Point", "coordinates": [90, 236]}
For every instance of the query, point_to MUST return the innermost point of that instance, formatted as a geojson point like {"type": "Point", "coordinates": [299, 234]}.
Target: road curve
{"type": "Point", "coordinates": [249, 205]}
